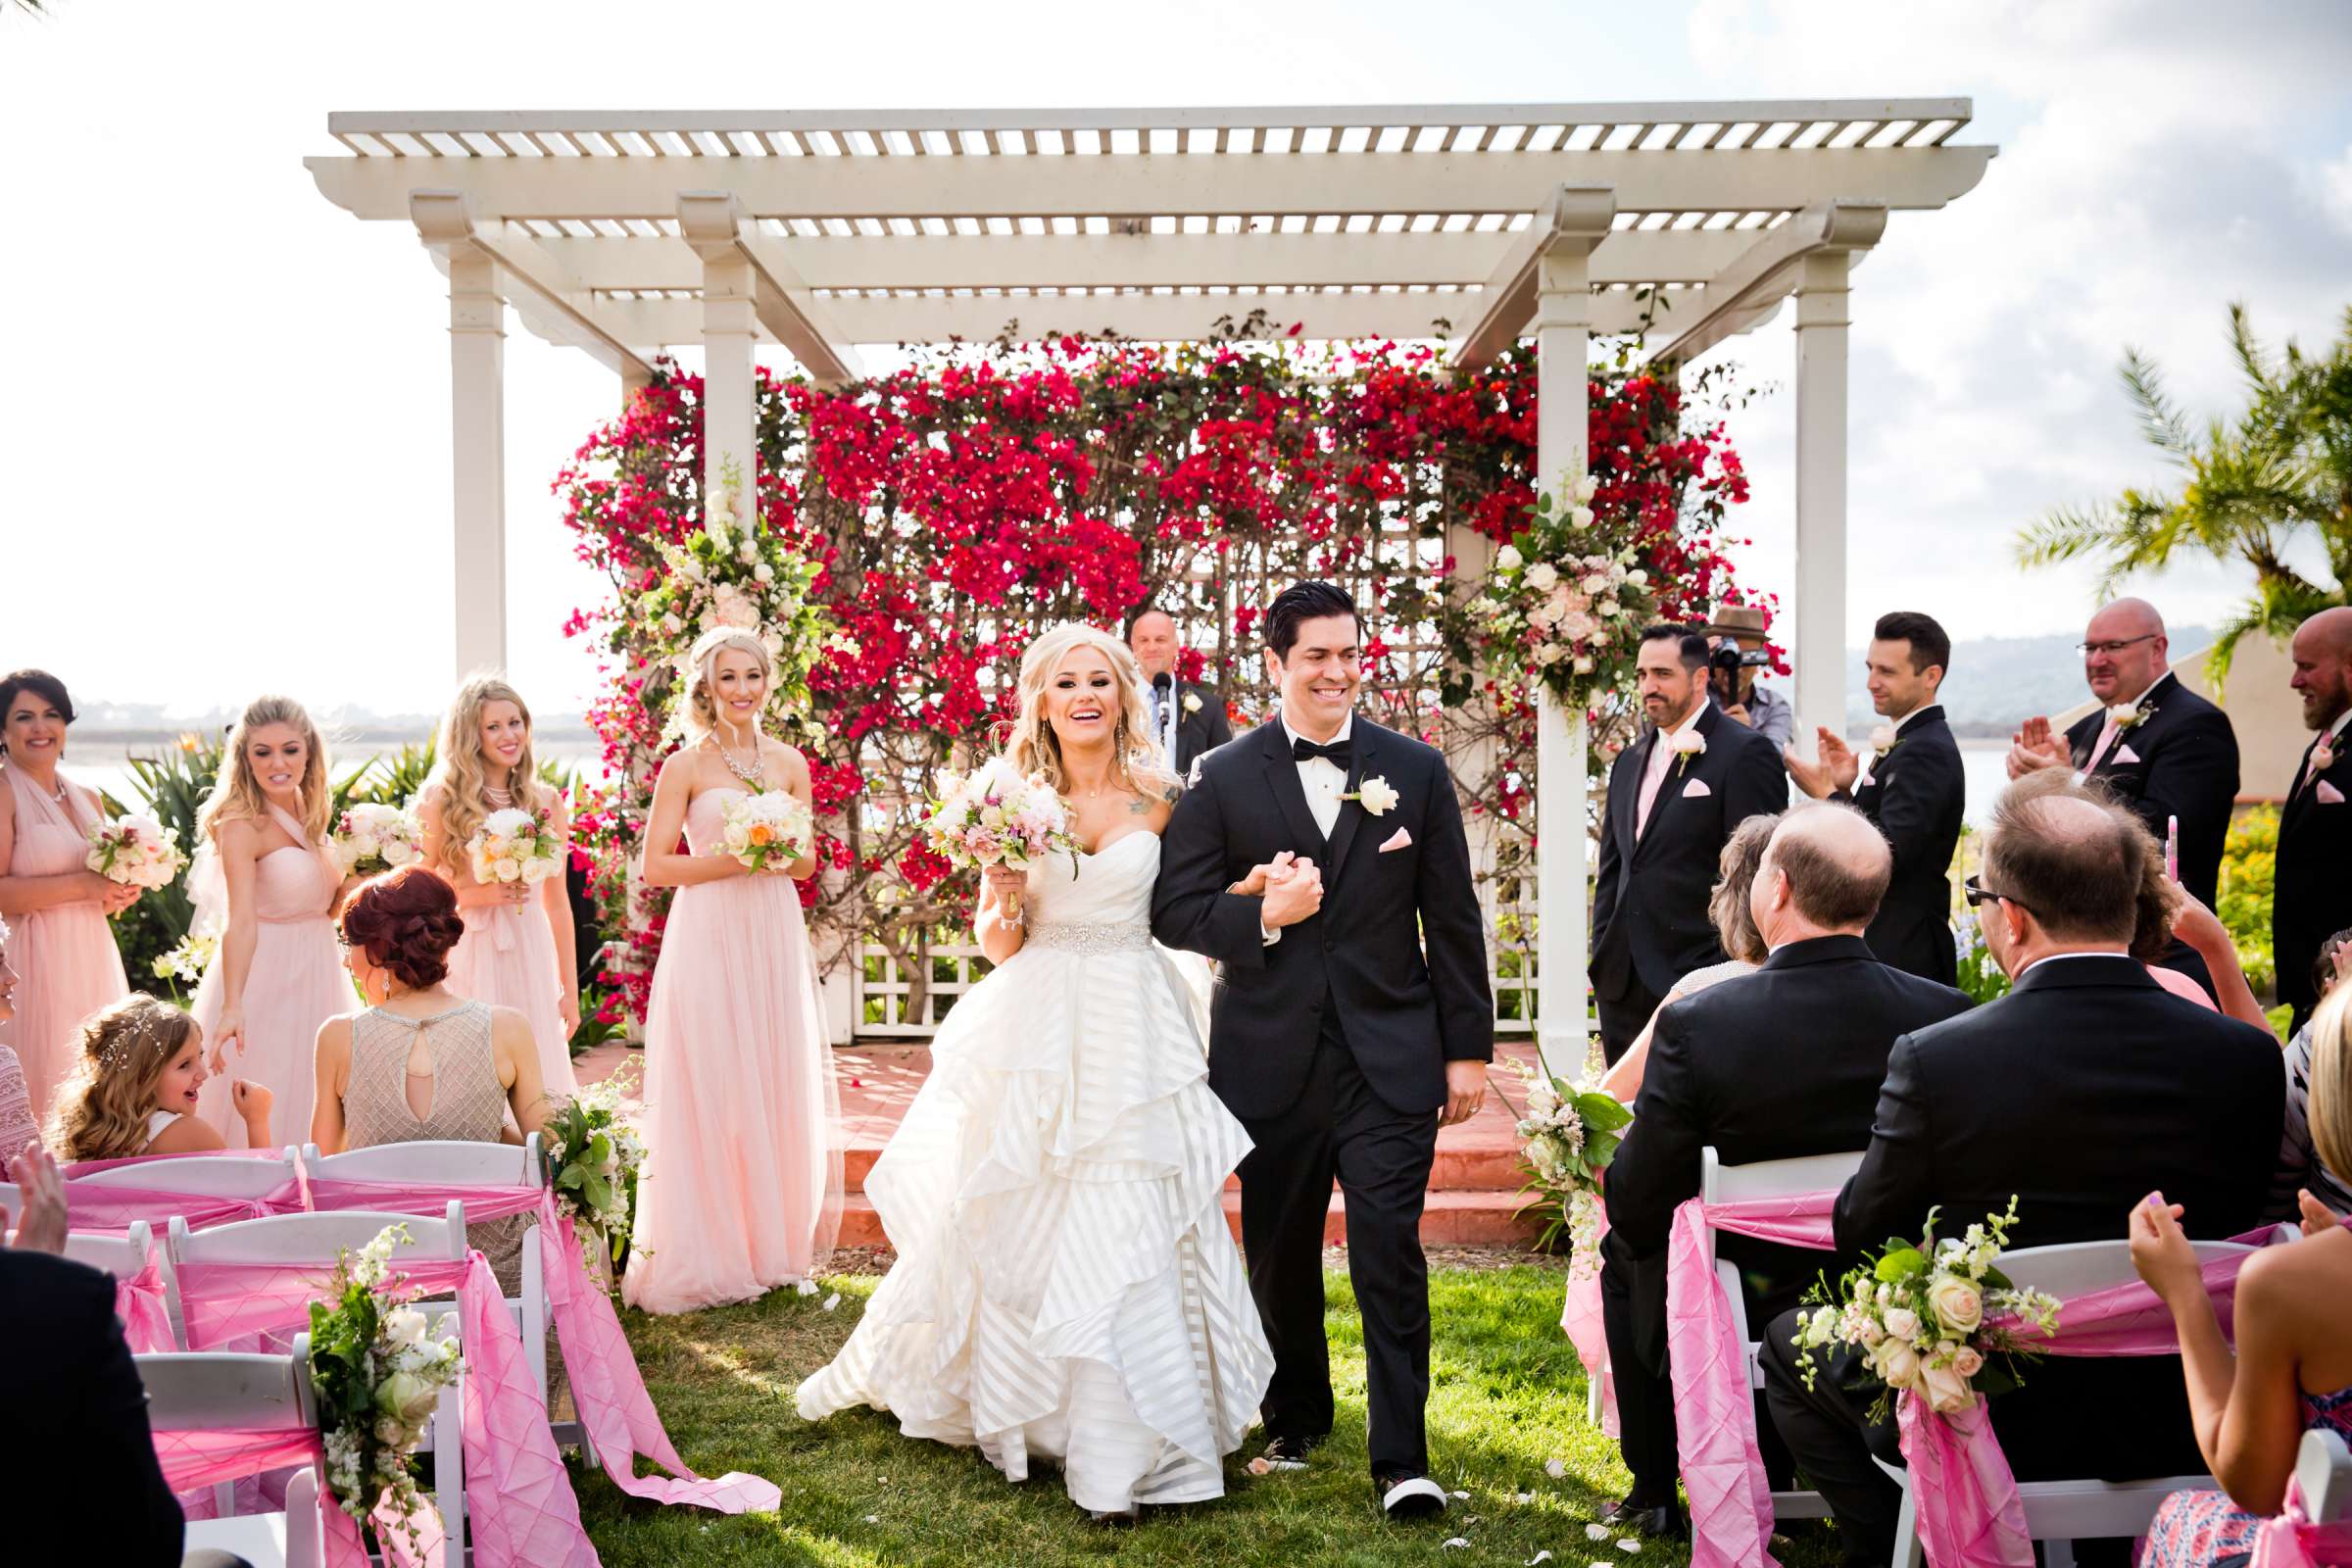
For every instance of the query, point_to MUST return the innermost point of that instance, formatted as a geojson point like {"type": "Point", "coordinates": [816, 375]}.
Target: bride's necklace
{"type": "Point", "coordinates": [751, 772]}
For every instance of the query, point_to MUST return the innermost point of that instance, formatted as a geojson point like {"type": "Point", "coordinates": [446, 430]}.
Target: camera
{"type": "Point", "coordinates": [1722, 671]}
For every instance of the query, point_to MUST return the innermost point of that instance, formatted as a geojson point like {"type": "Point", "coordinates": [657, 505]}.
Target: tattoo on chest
{"type": "Point", "coordinates": [1138, 807]}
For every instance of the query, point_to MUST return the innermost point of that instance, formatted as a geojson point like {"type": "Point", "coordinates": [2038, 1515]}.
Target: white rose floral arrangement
{"type": "Point", "coordinates": [1932, 1318]}
{"type": "Point", "coordinates": [379, 1374]}
{"type": "Point", "coordinates": [515, 846]}
{"type": "Point", "coordinates": [372, 837]}
{"type": "Point", "coordinates": [595, 1155]}
{"type": "Point", "coordinates": [1568, 1134]}
{"type": "Point", "coordinates": [1564, 604]}
{"type": "Point", "coordinates": [134, 850]}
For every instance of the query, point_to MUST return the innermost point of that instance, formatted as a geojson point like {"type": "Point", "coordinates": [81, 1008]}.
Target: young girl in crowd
{"type": "Point", "coordinates": [133, 1088]}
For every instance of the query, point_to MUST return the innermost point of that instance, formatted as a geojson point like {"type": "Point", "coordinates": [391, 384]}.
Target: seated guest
{"type": "Point", "coordinates": [2292, 1366]}
{"type": "Point", "coordinates": [422, 1062]}
{"type": "Point", "coordinates": [133, 1090]}
{"type": "Point", "coordinates": [2302, 1170]}
{"type": "Point", "coordinates": [1734, 927]}
{"type": "Point", "coordinates": [2076, 1094]}
{"type": "Point", "coordinates": [80, 1411]}
{"type": "Point", "coordinates": [1783, 1062]}
{"type": "Point", "coordinates": [18, 1126]}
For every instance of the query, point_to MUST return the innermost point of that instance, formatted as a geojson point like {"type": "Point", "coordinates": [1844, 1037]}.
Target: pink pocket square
{"type": "Point", "coordinates": [2328, 794]}
{"type": "Point", "coordinates": [2125, 753]}
{"type": "Point", "coordinates": [1401, 840]}
{"type": "Point", "coordinates": [1695, 789]}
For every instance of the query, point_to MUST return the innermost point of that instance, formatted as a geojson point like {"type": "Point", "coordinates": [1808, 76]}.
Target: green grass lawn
{"type": "Point", "coordinates": [1507, 1395]}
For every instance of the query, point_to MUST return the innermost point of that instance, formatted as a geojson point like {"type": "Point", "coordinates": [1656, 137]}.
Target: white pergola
{"type": "Point", "coordinates": [624, 234]}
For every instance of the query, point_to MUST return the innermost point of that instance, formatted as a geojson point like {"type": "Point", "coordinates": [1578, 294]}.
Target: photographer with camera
{"type": "Point", "coordinates": [1736, 653]}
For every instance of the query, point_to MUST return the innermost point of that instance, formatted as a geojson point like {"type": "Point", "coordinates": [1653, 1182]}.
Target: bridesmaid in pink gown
{"type": "Point", "coordinates": [55, 906]}
{"type": "Point", "coordinates": [278, 974]}
{"type": "Point", "coordinates": [518, 950]}
{"type": "Point", "coordinates": [742, 1188]}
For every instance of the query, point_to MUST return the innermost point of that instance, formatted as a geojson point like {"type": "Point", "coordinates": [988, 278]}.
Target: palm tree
{"type": "Point", "coordinates": [2253, 489]}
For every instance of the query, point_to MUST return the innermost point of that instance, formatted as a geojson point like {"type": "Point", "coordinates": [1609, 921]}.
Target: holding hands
{"type": "Point", "coordinates": [2034, 748]}
{"type": "Point", "coordinates": [1837, 768]}
{"type": "Point", "coordinates": [1289, 886]}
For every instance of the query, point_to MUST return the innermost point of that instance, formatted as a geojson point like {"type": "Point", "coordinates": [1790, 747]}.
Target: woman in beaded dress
{"type": "Point", "coordinates": [422, 1062]}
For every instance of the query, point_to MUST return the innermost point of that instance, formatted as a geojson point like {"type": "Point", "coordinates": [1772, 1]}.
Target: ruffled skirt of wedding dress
{"type": "Point", "coordinates": [1065, 1284]}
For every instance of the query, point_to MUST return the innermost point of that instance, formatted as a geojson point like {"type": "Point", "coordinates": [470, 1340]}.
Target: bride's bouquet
{"type": "Point", "coordinates": [515, 846]}
{"type": "Point", "coordinates": [994, 817]}
{"type": "Point", "coordinates": [773, 827]}
{"type": "Point", "coordinates": [1924, 1316]}
{"type": "Point", "coordinates": [135, 851]}
{"type": "Point", "coordinates": [369, 838]}
{"type": "Point", "coordinates": [1567, 1138]}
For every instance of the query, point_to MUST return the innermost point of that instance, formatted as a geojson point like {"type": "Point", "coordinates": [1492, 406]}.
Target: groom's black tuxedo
{"type": "Point", "coordinates": [1773, 1065]}
{"type": "Point", "coordinates": [1331, 1046]}
{"type": "Point", "coordinates": [1409, 993]}
{"type": "Point", "coordinates": [1649, 903]}
{"type": "Point", "coordinates": [1917, 796]}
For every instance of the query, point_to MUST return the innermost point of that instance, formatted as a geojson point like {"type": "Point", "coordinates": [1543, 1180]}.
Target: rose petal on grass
{"type": "Point", "coordinates": [1463, 1495]}
{"type": "Point", "coordinates": [1260, 1467]}
{"type": "Point", "coordinates": [1629, 1546]}
{"type": "Point", "coordinates": [1453, 1542]}
{"type": "Point", "coordinates": [1596, 1532]}
{"type": "Point", "coordinates": [1523, 1497]}
{"type": "Point", "coordinates": [1556, 1468]}
{"type": "Point", "coordinates": [807, 1287]}
{"type": "Point", "coordinates": [832, 1301]}
{"type": "Point", "coordinates": [1541, 1556]}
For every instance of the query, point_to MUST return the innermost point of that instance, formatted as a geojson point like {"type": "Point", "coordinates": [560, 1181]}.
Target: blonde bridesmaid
{"type": "Point", "coordinates": [742, 1188]}
{"type": "Point", "coordinates": [63, 947]}
{"type": "Point", "coordinates": [263, 870]}
{"type": "Point", "coordinates": [518, 950]}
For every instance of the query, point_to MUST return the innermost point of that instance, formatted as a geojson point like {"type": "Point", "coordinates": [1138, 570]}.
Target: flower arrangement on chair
{"type": "Point", "coordinates": [378, 1375]}
{"type": "Point", "coordinates": [595, 1155]}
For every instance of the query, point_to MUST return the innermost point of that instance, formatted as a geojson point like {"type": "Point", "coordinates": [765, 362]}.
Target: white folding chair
{"type": "Point", "coordinates": [2059, 1513]}
{"type": "Point", "coordinates": [2324, 1466]}
{"type": "Point", "coordinates": [121, 1257]}
{"type": "Point", "coordinates": [319, 1239]}
{"type": "Point", "coordinates": [216, 1392]}
{"type": "Point", "coordinates": [462, 1163]}
{"type": "Point", "coordinates": [209, 1175]}
{"type": "Point", "coordinates": [1718, 1183]}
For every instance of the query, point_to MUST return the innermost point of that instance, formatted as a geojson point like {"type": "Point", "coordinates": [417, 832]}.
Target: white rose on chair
{"type": "Point", "coordinates": [514, 846]}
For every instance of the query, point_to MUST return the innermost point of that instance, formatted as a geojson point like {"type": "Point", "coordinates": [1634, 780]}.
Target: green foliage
{"type": "Point", "coordinates": [2249, 860]}
{"type": "Point", "coordinates": [2268, 487]}
{"type": "Point", "coordinates": [391, 779]}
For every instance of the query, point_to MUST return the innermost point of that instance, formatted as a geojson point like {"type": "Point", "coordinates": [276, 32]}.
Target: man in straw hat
{"type": "Point", "coordinates": [1736, 637]}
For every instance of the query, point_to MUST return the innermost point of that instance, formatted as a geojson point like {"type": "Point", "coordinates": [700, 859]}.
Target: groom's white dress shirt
{"type": "Point", "coordinates": [1323, 779]}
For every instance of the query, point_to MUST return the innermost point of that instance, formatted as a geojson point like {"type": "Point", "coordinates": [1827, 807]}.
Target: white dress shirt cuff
{"type": "Point", "coordinates": [1267, 935]}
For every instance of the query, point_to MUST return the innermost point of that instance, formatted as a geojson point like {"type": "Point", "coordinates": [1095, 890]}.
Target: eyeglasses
{"type": "Point", "coordinates": [1977, 895]}
{"type": "Point", "coordinates": [2116, 645]}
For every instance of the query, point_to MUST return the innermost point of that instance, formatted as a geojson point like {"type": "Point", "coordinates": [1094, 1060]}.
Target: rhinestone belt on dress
{"type": "Point", "coordinates": [1074, 936]}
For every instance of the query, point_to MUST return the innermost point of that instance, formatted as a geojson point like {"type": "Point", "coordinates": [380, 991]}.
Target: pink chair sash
{"type": "Point", "coordinates": [146, 1319]}
{"type": "Point", "coordinates": [2292, 1540]}
{"type": "Point", "coordinates": [1580, 1321]}
{"type": "Point", "coordinates": [76, 1169]}
{"type": "Point", "coordinates": [196, 1460]}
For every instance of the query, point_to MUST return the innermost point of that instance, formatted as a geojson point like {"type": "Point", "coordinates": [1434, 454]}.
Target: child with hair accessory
{"type": "Point", "coordinates": [133, 1088]}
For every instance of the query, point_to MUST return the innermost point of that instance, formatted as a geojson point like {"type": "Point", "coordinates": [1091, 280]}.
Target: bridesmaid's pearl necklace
{"type": "Point", "coordinates": [502, 800]}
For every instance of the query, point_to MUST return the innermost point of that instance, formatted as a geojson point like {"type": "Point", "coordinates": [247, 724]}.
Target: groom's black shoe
{"type": "Point", "coordinates": [1664, 1522]}
{"type": "Point", "coordinates": [1287, 1453]}
{"type": "Point", "coordinates": [1408, 1497]}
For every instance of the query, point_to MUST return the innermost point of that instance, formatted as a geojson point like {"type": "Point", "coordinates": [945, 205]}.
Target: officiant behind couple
{"type": "Point", "coordinates": [1066, 1286]}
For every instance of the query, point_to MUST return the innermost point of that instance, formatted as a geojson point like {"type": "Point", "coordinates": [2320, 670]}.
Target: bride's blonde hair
{"type": "Point", "coordinates": [1033, 746]}
{"type": "Point", "coordinates": [698, 711]}
{"type": "Point", "coordinates": [459, 775]}
{"type": "Point", "coordinates": [237, 794]}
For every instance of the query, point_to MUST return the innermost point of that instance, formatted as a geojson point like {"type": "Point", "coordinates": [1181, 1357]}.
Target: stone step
{"type": "Point", "coordinates": [1485, 1217]}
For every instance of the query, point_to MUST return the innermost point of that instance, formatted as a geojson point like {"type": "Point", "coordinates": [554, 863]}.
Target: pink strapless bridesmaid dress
{"type": "Point", "coordinates": [65, 952]}
{"type": "Point", "coordinates": [296, 983]}
{"type": "Point", "coordinates": [742, 1188]}
{"type": "Point", "coordinates": [507, 957]}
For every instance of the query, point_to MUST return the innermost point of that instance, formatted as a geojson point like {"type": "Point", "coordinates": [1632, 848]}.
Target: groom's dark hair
{"type": "Point", "coordinates": [1304, 601]}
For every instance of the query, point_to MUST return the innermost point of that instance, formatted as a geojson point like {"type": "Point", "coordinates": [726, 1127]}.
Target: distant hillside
{"type": "Point", "coordinates": [1996, 681]}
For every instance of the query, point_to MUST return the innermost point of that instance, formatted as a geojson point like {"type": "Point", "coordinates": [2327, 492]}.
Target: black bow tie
{"type": "Point", "coordinates": [1338, 752]}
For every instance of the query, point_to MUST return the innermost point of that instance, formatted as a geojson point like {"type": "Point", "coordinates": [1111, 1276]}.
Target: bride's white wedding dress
{"type": "Point", "coordinates": [1065, 1284]}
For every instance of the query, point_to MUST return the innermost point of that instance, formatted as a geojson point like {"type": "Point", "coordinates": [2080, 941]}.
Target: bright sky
{"type": "Point", "coordinates": [224, 418]}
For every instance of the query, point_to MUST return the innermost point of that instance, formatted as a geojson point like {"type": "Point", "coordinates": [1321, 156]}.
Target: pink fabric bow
{"type": "Point", "coordinates": [146, 1319]}
{"type": "Point", "coordinates": [194, 1460]}
{"type": "Point", "coordinates": [1969, 1512]}
{"type": "Point", "coordinates": [1580, 1321]}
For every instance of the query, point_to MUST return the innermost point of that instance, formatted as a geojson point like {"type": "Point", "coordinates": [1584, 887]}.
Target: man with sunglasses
{"type": "Point", "coordinates": [2157, 747]}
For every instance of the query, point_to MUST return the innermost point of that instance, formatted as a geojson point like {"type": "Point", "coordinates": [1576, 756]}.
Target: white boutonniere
{"type": "Point", "coordinates": [1882, 739]}
{"type": "Point", "coordinates": [1375, 795]}
{"type": "Point", "coordinates": [1192, 702]}
{"type": "Point", "coordinates": [1685, 744]}
{"type": "Point", "coordinates": [2127, 715]}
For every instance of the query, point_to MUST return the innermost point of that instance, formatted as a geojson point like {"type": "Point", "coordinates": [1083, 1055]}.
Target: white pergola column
{"type": "Point", "coordinates": [478, 408]}
{"type": "Point", "coordinates": [711, 223]}
{"type": "Point", "coordinates": [1821, 420]}
{"type": "Point", "coordinates": [1563, 333]}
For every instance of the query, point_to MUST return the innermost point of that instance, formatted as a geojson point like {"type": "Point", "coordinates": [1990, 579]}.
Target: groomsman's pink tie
{"type": "Point", "coordinates": [2098, 753]}
{"type": "Point", "coordinates": [1660, 756]}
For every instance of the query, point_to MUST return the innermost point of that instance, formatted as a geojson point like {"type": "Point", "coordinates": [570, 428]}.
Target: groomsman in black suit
{"type": "Point", "coordinates": [2158, 747]}
{"type": "Point", "coordinates": [1186, 718]}
{"type": "Point", "coordinates": [2082, 1092]}
{"type": "Point", "coordinates": [2313, 897]}
{"type": "Point", "coordinates": [1912, 787]}
{"type": "Point", "coordinates": [1783, 1063]}
{"type": "Point", "coordinates": [1675, 796]}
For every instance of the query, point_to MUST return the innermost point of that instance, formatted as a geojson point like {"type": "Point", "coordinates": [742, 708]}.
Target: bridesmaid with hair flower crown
{"type": "Point", "coordinates": [265, 878]}
{"type": "Point", "coordinates": [518, 950]}
{"type": "Point", "coordinates": [741, 1186]}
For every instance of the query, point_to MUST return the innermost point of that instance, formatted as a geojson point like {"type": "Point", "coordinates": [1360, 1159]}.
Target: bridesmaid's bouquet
{"type": "Point", "coordinates": [515, 846]}
{"type": "Point", "coordinates": [1934, 1318]}
{"type": "Point", "coordinates": [995, 817]}
{"type": "Point", "coordinates": [379, 1374]}
{"type": "Point", "coordinates": [369, 838]}
{"type": "Point", "coordinates": [773, 827]}
{"type": "Point", "coordinates": [135, 851]}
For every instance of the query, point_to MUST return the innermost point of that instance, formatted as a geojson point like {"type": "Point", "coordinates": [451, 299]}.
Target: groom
{"type": "Point", "coordinates": [1320, 860]}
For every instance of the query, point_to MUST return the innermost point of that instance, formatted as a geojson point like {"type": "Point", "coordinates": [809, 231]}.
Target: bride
{"type": "Point", "coordinates": [1066, 1287]}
